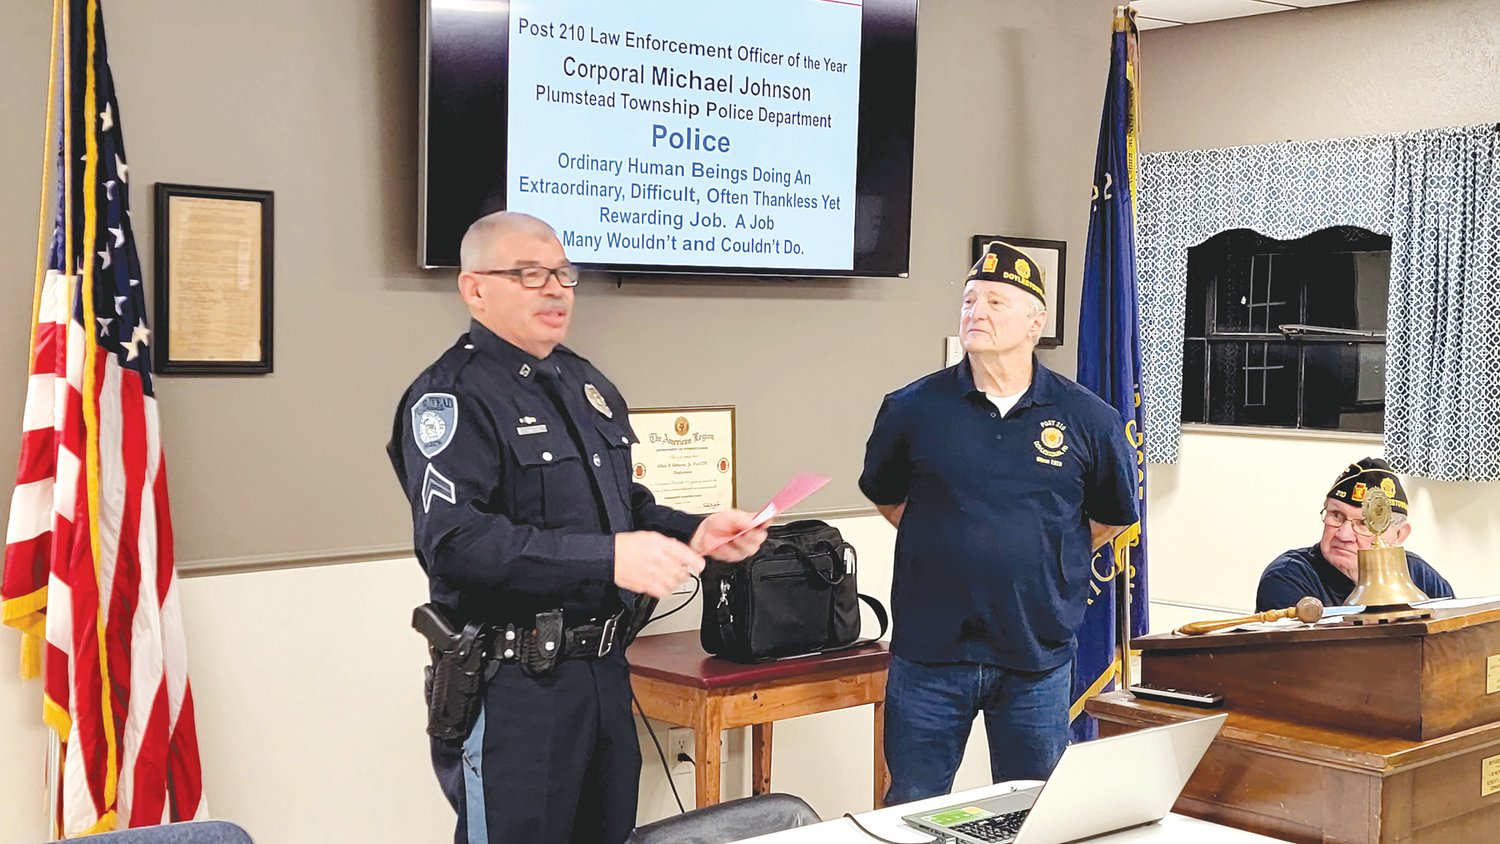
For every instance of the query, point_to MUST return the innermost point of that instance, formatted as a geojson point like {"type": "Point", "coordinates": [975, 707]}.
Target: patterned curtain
{"type": "Point", "coordinates": [1442, 414]}
{"type": "Point", "coordinates": [1283, 190]}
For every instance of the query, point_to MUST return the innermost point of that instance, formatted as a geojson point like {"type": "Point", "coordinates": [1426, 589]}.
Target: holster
{"type": "Point", "coordinates": [460, 668]}
{"type": "Point", "coordinates": [540, 648]}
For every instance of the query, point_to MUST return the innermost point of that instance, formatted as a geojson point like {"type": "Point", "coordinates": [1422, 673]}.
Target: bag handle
{"type": "Point", "coordinates": [880, 615]}
{"type": "Point", "coordinates": [836, 552]}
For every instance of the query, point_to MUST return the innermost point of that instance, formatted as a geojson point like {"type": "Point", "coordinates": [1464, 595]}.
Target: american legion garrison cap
{"type": "Point", "coordinates": [1361, 477]}
{"type": "Point", "coordinates": [1008, 265]}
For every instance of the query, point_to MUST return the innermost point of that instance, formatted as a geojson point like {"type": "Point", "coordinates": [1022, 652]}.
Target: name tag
{"type": "Point", "coordinates": [532, 429]}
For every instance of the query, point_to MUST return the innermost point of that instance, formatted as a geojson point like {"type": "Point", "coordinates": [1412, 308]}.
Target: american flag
{"type": "Point", "coordinates": [88, 575]}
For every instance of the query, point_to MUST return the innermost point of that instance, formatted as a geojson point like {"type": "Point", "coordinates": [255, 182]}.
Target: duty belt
{"type": "Point", "coordinates": [593, 640]}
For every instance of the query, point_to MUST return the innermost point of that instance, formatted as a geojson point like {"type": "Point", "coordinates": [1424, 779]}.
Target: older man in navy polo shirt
{"type": "Point", "coordinates": [1001, 478]}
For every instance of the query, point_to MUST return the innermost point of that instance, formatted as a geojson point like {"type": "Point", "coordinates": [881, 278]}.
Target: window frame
{"type": "Point", "coordinates": [1298, 344]}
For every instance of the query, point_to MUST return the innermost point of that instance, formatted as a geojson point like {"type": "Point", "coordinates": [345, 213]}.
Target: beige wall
{"type": "Point", "coordinates": [317, 102]}
{"type": "Point", "coordinates": [305, 741]}
{"type": "Point", "coordinates": [1353, 69]}
{"type": "Point", "coordinates": [1334, 71]}
{"type": "Point", "coordinates": [310, 719]}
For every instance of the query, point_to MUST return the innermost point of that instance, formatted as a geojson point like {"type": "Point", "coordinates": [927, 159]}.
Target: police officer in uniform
{"type": "Point", "coordinates": [515, 455]}
{"type": "Point", "coordinates": [1001, 478]}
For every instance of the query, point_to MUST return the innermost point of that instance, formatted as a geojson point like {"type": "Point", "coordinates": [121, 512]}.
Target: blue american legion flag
{"type": "Point", "coordinates": [1109, 363]}
{"type": "Point", "coordinates": [88, 576]}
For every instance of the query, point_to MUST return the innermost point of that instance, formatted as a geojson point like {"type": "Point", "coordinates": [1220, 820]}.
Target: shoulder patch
{"type": "Point", "coordinates": [434, 419]}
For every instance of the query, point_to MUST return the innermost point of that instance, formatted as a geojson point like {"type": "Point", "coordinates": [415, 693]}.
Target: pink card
{"type": "Point", "coordinates": [797, 488]}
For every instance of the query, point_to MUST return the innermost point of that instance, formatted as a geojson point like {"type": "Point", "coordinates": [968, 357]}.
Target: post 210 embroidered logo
{"type": "Point", "coordinates": [1050, 443]}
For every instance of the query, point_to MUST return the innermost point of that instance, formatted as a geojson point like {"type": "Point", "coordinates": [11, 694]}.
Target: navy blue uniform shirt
{"type": "Point", "coordinates": [518, 472]}
{"type": "Point", "coordinates": [1305, 571]}
{"type": "Point", "coordinates": [993, 551]}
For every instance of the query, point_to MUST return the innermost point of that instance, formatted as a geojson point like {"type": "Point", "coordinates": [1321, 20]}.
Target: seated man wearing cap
{"type": "Point", "coordinates": [1329, 570]}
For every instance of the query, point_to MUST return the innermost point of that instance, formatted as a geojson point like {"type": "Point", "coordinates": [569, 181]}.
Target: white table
{"type": "Point", "coordinates": [1178, 829]}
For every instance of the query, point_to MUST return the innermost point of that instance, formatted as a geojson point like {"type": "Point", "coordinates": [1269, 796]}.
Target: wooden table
{"type": "Point", "coordinates": [677, 682]}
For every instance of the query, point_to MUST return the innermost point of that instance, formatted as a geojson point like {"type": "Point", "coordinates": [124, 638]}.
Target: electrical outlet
{"type": "Point", "coordinates": [679, 743]}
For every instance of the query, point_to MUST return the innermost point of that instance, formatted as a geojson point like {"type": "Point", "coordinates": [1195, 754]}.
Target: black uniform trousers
{"type": "Point", "coordinates": [552, 760]}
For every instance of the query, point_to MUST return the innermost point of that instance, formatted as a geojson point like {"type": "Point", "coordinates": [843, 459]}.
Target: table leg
{"type": "Point", "coordinates": [882, 773]}
{"type": "Point", "coordinates": [760, 740]}
{"type": "Point", "coordinates": [706, 763]}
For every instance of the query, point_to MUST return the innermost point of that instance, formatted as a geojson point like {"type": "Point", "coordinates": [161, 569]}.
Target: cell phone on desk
{"type": "Point", "coordinates": [1184, 697]}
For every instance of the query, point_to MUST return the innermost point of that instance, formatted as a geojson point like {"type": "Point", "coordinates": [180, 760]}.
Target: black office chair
{"type": "Point", "coordinates": [187, 832]}
{"type": "Point", "coordinates": [732, 821]}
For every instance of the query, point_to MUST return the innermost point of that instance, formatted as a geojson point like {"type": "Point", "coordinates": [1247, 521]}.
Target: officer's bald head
{"type": "Point", "coordinates": [498, 246]}
{"type": "Point", "coordinates": [489, 233]}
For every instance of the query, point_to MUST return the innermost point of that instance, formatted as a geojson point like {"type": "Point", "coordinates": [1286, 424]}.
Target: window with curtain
{"type": "Point", "coordinates": [1287, 333]}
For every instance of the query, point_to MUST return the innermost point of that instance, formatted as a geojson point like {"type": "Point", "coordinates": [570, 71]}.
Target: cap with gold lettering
{"type": "Point", "coordinates": [1006, 264]}
{"type": "Point", "coordinates": [1357, 480]}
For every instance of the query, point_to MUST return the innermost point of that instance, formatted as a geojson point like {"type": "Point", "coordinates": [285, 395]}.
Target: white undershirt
{"type": "Point", "coordinates": [1005, 403]}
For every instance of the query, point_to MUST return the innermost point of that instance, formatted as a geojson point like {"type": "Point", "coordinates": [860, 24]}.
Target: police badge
{"type": "Point", "coordinates": [434, 419]}
{"type": "Point", "coordinates": [597, 400]}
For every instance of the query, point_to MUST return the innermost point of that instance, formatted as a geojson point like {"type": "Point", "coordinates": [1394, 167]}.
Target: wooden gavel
{"type": "Point", "coordinates": [1308, 610]}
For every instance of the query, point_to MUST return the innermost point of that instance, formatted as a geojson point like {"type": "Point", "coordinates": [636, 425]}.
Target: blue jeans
{"type": "Point", "coordinates": [930, 708]}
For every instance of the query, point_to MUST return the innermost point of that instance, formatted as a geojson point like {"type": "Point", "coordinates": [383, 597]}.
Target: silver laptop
{"type": "Point", "coordinates": [1098, 787]}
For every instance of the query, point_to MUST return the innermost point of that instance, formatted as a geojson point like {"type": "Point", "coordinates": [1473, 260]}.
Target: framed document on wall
{"type": "Point", "coordinates": [213, 280]}
{"type": "Point", "coordinates": [686, 456]}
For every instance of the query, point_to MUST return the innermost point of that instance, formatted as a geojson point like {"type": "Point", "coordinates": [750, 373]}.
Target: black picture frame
{"type": "Point", "coordinates": [1043, 254]}
{"type": "Point", "coordinates": [165, 361]}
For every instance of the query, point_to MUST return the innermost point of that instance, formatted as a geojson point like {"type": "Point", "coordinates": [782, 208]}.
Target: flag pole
{"type": "Point", "coordinates": [1122, 617]}
{"type": "Point", "coordinates": [56, 71]}
{"type": "Point", "coordinates": [1124, 22]}
{"type": "Point", "coordinates": [54, 787]}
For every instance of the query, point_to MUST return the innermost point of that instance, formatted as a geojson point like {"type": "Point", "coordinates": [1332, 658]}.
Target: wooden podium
{"type": "Point", "coordinates": [1339, 733]}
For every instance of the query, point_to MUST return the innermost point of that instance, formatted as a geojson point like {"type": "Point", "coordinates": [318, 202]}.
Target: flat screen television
{"type": "Point", "coordinates": [753, 137]}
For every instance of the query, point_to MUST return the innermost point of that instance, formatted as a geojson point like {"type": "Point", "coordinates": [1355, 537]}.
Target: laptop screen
{"type": "Point", "coordinates": [1159, 761]}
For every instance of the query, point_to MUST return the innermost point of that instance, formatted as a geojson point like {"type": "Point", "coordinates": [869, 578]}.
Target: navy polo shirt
{"type": "Point", "coordinates": [993, 552]}
{"type": "Point", "coordinates": [1305, 571]}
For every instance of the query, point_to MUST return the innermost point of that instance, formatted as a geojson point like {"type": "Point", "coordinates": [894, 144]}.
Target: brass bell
{"type": "Point", "coordinates": [1384, 580]}
{"type": "Point", "coordinates": [1384, 577]}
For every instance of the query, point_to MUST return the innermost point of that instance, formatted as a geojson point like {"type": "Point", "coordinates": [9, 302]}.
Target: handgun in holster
{"type": "Point", "coordinates": [460, 668]}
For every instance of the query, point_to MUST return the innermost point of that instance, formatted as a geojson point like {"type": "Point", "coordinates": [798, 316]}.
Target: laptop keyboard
{"type": "Point", "coordinates": [997, 828]}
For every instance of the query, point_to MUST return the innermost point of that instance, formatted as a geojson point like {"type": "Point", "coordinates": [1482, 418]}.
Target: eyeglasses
{"type": "Point", "coordinates": [535, 278]}
{"type": "Point", "coordinates": [1336, 519]}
